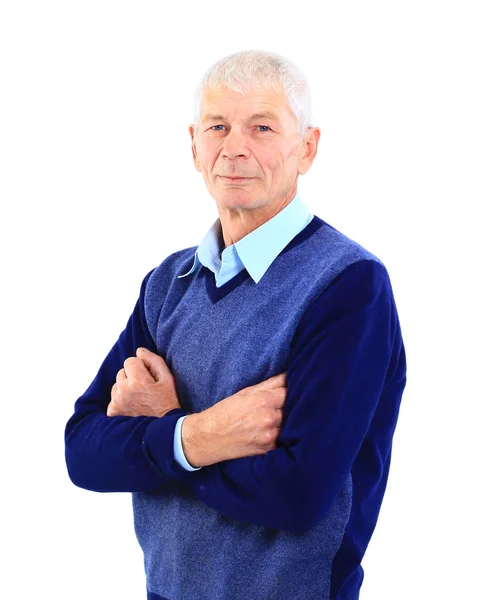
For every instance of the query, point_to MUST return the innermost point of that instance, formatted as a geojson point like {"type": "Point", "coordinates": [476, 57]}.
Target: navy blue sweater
{"type": "Point", "coordinates": [294, 522]}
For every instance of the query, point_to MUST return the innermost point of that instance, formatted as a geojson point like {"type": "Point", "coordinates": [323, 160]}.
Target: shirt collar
{"type": "Point", "coordinates": [259, 248]}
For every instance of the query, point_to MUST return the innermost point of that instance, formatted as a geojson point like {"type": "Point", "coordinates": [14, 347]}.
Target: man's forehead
{"type": "Point", "coordinates": [216, 114]}
{"type": "Point", "coordinates": [257, 104]}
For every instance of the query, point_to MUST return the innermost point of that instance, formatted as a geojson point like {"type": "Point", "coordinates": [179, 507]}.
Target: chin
{"type": "Point", "coordinates": [236, 198]}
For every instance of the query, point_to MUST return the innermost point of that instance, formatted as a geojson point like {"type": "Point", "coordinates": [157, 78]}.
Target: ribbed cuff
{"type": "Point", "coordinates": [158, 445]}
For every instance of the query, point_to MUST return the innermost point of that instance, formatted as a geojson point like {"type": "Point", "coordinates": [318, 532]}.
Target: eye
{"type": "Point", "coordinates": [267, 128]}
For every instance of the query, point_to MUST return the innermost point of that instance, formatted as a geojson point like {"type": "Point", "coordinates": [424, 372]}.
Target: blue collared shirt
{"type": "Point", "coordinates": [254, 252]}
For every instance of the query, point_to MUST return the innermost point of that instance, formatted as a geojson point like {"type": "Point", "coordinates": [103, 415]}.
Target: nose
{"type": "Point", "coordinates": [235, 145]}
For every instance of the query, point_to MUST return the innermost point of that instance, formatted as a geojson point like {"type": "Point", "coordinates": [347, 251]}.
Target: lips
{"type": "Point", "coordinates": [237, 181]}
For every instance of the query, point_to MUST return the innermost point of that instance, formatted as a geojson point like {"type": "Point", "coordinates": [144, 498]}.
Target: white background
{"type": "Point", "coordinates": [97, 187]}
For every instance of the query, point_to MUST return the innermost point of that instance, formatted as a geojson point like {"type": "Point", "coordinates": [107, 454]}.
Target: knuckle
{"type": "Point", "coordinates": [132, 384]}
{"type": "Point", "coordinates": [132, 361]}
{"type": "Point", "coordinates": [166, 379]}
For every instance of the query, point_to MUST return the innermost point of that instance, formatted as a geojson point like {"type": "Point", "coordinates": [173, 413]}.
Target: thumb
{"type": "Point", "coordinates": [276, 381]}
{"type": "Point", "coordinates": [154, 363]}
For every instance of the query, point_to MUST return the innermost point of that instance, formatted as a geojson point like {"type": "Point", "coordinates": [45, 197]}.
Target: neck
{"type": "Point", "coordinates": [236, 223]}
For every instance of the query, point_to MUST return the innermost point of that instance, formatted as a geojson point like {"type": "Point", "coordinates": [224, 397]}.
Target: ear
{"type": "Point", "coordinates": [309, 149]}
{"type": "Point", "coordinates": [196, 161]}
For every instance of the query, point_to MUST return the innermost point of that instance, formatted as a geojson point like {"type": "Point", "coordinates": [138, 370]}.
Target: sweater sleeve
{"type": "Point", "coordinates": [346, 350]}
{"type": "Point", "coordinates": [121, 454]}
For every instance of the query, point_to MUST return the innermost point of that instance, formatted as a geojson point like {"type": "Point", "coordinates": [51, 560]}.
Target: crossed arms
{"type": "Point", "coordinates": [346, 348]}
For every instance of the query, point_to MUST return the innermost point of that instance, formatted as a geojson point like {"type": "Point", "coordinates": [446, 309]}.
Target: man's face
{"type": "Point", "coordinates": [252, 136]}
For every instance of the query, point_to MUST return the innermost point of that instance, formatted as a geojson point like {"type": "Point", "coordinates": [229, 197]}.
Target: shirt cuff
{"type": "Point", "coordinates": [178, 447]}
{"type": "Point", "coordinates": [158, 445]}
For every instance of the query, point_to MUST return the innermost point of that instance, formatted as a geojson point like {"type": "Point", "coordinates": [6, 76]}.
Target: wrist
{"type": "Point", "coordinates": [194, 441]}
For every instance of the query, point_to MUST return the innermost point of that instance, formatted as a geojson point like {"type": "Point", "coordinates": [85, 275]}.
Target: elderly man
{"type": "Point", "coordinates": [250, 403]}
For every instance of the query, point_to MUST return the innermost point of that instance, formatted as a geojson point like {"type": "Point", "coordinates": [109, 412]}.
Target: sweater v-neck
{"type": "Point", "coordinates": [217, 293]}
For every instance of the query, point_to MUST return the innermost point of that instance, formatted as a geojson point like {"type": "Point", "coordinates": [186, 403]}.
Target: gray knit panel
{"type": "Point", "coordinates": [214, 350]}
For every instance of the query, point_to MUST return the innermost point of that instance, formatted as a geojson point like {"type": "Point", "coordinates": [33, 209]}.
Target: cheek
{"type": "Point", "coordinates": [203, 148]}
{"type": "Point", "coordinates": [208, 154]}
{"type": "Point", "coordinates": [271, 159]}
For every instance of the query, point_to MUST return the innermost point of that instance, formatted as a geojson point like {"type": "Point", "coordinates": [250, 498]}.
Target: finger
{"type": "Point", "coordinates": [155, 363]}
{"type": "Point", "coordinates": [115, 395]}
{"type": "Point", "coordinates": [121, 376]}
{"type": "Point", "coordinates": [273, 382]}
{"type": "Point", "coordinates": [136, 369]}
{"type": "Point", "coordinates": [111, 408]}
{"type": "Point", "coordinates": [278, 417]}
{"type": "Point", "coordinates": [277, 397]}
{"type": "Point", "coordinates": [115, 401]}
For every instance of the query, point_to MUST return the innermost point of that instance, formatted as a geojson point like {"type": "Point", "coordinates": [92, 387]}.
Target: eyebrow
{"type": "Point", "coordinates": [255, 116]}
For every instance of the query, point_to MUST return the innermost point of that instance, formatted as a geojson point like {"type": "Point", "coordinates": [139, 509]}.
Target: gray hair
{"type": "Point", "coordinates": [240, 71]}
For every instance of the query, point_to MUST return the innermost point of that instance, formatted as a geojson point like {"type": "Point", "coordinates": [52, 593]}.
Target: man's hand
{"type": "Point", "coordinates": [244, 424]}
{"type": "Point", "coordinates": [144, 387]}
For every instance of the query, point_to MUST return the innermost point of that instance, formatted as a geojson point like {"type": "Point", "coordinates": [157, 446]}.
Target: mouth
{"type": "Point", "coordinates": [236, 179]}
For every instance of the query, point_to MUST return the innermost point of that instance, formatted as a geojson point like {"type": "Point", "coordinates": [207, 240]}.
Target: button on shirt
{"type": "Point", "coordinates": [254, 252]}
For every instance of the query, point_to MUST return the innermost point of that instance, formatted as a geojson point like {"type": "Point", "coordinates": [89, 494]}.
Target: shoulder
{"type": "Point", "coordinates": [172, 266]}
{"type": "Point", "coordinates": [336, 260]}
{"type": "Point", "coordinates": [337, 250]}
{"type": "Point", "coordinates": [158, 282]}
